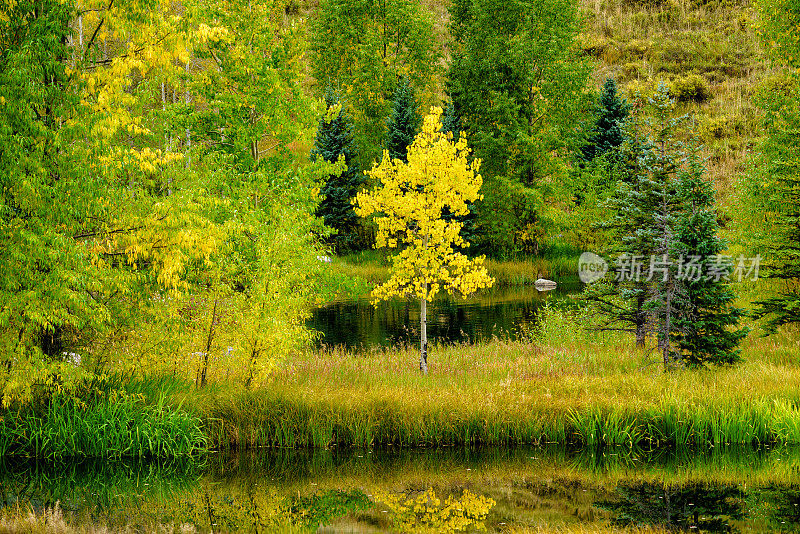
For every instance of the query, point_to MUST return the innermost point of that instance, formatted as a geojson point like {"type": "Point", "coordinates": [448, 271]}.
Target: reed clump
{"type": "Point", "coordinates": [118, 425]}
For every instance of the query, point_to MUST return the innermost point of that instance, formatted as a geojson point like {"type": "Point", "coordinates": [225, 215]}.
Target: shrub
{"type": "Point", "coordinates": [691, 88]}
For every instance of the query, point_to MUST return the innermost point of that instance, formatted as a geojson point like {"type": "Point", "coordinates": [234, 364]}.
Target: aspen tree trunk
{"type": "Point", "coordinates": [423, 337]}
{"type": "Point", "coordinates": [423, 325]}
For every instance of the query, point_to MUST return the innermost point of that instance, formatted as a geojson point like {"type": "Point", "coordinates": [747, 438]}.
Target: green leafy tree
{"type": "Point", "coordinates": [404, 121]}
{"type": "Point", "coordinates": [769, 203]}
{"type": "Point", "coordinates": [780, 22]}
{"type": "Point", "coordinates": [48, 282]}
{"type": "Point", "coordinates": [770, 193]}
{"type": "Point", "coordinates": [411, 199]}
{"type": "Point", "coordinates": [131, 235]}
{"type": "Point", "coordinates": [334, 141]}
{"type": "Point", "coordinates": [362, 47]}
{"type": "Point", "coordinates": [517, 78]}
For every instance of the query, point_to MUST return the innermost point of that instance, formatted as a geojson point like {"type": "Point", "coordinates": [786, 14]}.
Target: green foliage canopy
{"type": "Point", "coordinates": [517, 81]}
{"type": "Point", "coordinates": [363, 48]}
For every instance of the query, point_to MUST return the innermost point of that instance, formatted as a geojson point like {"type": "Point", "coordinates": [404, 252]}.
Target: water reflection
{"type": "Point", "coordinates": [95, 486]}
{"type": "Point", "coordinates": [415, 490]}
{"type": "Point", "coordinates": [496, 312]}
{"type": "Point", "coordinates": [708, 507]}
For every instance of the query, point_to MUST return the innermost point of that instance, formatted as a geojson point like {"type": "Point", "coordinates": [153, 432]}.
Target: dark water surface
{"type": "Point", "coordinates": [501, 312]}
{"type": "Point", "coordinates": [732, 490]}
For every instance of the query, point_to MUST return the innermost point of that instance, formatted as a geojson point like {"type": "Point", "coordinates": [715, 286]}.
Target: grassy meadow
{"type": "Point", "coordinates": [562, 384]}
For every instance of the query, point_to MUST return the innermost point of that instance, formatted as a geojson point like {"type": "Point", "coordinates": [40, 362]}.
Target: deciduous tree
{"type": "Point", "coordinates": [410, 201]}
{"type": "Point", "coordinates": [363, 48]}
{"type": "Point", "coordinates": [517, 81]}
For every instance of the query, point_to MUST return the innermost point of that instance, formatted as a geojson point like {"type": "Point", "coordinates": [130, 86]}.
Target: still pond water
{"type": "Point", "coordinates": [505, 311]}
{"type": "Point", "coordinates": [734, 490]}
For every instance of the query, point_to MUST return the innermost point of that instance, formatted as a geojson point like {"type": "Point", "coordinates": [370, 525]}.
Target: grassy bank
{"type": "Point", "coordinates": [562, 385]}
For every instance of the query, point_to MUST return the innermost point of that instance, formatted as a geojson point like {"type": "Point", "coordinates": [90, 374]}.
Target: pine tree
{"type": "Point", "coordinates": [403, 122]}
{"type": "Point", "coordinates": [335, 140]}
{"type": "Point", "coordinates": [661, 164]}
{"type": "Point", "coordinates": [621, 301]}
{"type": "Point", "coordinates": [591, 179]}
{"type": "Point", "coordinates": [662, 217]}
{"type": "Point", "coordinates": [606, 135]}
{"type": "Point", "coordinates": [707, 332]}
{"type": "Point", "coordinates": [451, 121]}
{"type": "Point", "coordinates": [773, 189]}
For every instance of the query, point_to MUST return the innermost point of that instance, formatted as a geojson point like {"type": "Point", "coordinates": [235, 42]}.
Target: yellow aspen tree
{"type": "Point", "coordinates": [410, 201]}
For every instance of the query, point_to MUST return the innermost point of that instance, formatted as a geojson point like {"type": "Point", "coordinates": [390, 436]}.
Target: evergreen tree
{"type": "Point", "coordinates": [661, 198]}
{"type": "Point", "coordinates": [592, 178]}
{"type": "Point", "coordinates": [644, 209]}
{"type": "Point", "coordinates": [612, 111]}
{"type": "Point", "coordinates": [335, 140]}
{"type": "Point", "coordinates": [662, 217]}
{"type": "Point", "coordinates": [772, 205]}
{"type": "Point", "coordinates": [451, 121]}
{"type": "Point", "coordinates": [707, 331]}
{"type": "Point", "coordinates": [403, 122]}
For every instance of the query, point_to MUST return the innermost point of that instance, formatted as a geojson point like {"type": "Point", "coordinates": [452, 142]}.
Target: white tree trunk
{"type": "Point", "coordinates": [423, 336]}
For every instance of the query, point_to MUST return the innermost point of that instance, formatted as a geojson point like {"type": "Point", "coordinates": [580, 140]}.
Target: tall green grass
{"type": "Point", "coordinates": [117, 426]}
{"type": "Point", "coordinates": [276, 420]}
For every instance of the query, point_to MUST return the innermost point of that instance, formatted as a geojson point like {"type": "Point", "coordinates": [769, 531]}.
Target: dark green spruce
{"type": "Point", "coordinates": [606, 135]}
{"type": "Point", "coordinates": [668, 271]}
{"type": "Point", "coordinates": [451, 120]}
{"type": "Point", "coordinates": [707, 332]}
{"type": "Point", "coordinates": [335, 140]}
{"type": "Point", "coordinates": [619, 300]}
{"type": "Point", "coordinates": [403, 121]}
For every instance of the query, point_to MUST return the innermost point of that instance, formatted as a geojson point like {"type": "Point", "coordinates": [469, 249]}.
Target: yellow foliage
{"type": "Point", "coordinates": [426, 513]}
{"type": "Point", "coordinates": [333, 112]}
{"type": "Point", "coordinates": [411, 200]}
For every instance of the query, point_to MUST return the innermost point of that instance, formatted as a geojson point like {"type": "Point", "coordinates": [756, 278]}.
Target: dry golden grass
{"type": "Point", "coordinates": [562, 384]}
